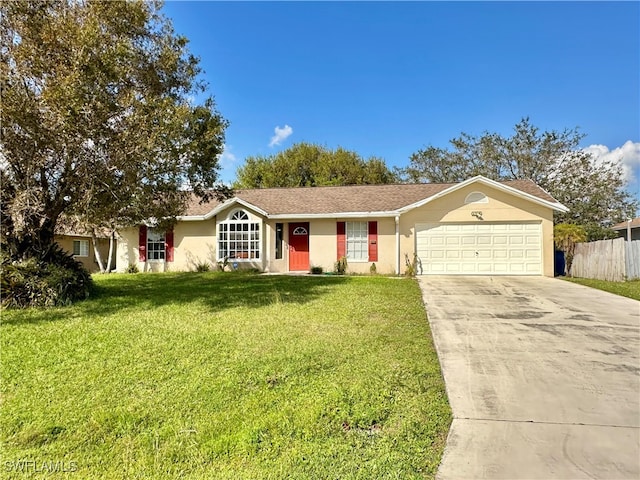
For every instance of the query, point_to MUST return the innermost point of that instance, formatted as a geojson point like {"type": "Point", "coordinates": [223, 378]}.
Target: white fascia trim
{"type": "Point", "coordinates": [222, 206]}
{"type": "Point", "coordinates": [490, 183]}
{"type": "Point", "coordinates": [302, 216]}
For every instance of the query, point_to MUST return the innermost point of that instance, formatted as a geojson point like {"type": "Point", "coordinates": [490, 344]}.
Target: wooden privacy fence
{"type": "Point", "coordinates": [614, 260]}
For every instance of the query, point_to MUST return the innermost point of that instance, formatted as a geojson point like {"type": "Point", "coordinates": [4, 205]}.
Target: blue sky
{"type": "Point", "coordinates": [389, 78]}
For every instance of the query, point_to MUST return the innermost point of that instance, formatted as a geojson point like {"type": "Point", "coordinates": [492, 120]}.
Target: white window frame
{"type": "Point", "coordinates": [82, 252]}
{"type": "Point", "coordinates": [476, 197]}
{"type": "Point", "coordinates": [156, 245]}
{"type": "Point", "coordinates": [357, 241]}
{"type": "Point", "coordinates": [239, 238]}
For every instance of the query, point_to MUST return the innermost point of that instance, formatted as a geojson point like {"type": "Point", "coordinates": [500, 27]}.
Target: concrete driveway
{"type": "Point", "coordinates": [543, 377]}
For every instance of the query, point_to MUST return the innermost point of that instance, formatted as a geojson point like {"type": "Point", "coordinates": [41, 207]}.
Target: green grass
{"type": "Point", "coordinates": [226, 376]}
{"type": "Point", "coordinates": [629, 289]}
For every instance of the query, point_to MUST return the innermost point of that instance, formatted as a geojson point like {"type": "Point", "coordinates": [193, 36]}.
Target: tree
{"type": "Point", "coordinates": [98, 120]}
{"type": "Point", "coordinates": [565, 237]}
{"type": "Point", "coordinates": [309, 165]}
{"type": "Point", "coordinates": [592, 189]}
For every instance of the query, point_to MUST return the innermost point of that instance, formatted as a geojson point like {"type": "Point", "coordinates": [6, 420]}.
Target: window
{"type": "Point", "coordinates": [239, 237]}
{"type": "Point", "coordinates": [81, 248]}
{"type": "Point", "coordinates": [279, 239]}
{"type": "Point", "coordinates": [357, 245]}
{"type": "Point", "coordinates": [155, 244]}
{"type": "Point", "coordinates": [476, 197]}
{"type": "Point", "coordinates": [358, 241]}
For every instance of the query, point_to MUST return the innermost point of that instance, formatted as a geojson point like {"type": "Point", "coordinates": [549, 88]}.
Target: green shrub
{"type": "Point", "coordinates": [56, 279]}
{"type": "Point", "coordinates": [203, 267]}
{"type": "Point", "coordinates": [222, 265]}
{"type": "Point", "coordinates": [412, 266]}
{"type": "Point", "coordinates": [132, 268]}
{"type": "Point", "coordinates": [373, 270]}
{"type": "Point", "coordinates": [340, 266]}
{"type": "Point", "coordinates": [316, 270]}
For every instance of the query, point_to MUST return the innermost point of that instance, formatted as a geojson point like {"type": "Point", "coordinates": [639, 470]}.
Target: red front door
{"type": "Point", "coordinates": [298, 246]}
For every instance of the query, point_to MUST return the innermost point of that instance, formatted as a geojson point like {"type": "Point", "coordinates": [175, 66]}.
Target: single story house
{"type": "Point", "coordinates": [478, 226]}
{"type": "Point", "coordinates": [628, 228]}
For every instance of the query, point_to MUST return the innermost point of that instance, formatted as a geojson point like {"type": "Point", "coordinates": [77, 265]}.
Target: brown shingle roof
{"type": "Point", "coordinates": [343, 199]}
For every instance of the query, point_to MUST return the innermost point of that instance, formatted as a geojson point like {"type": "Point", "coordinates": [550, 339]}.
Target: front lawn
{"type": "Point", "coordinates": [225, 376]}
{"type": "Point", "coordinates": [629, 289]}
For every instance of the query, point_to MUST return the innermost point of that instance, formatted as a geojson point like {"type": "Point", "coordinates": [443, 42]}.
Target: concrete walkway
{"type": "Point", "coordinates": [543, 377]}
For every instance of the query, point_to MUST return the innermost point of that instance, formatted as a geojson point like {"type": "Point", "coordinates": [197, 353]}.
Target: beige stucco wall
{"type": "Point", "coordinates": [323, 245]}
{"type": "Point", "coordinates": [127, 250]}
{"type": "Point", "coordinates": [195, 241]}
{"type": "Point", "coordinates": [89, 262]}
{"type": "Point", "coordinates": [501, 207]}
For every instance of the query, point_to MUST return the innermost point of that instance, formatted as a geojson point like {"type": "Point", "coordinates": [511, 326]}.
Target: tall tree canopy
{"type": "Point", "coordinates": [310, 165]}
{"type": "Point", "coordinates": [594, 190]}
{"type": "Point", "coordinates": [98, 119]}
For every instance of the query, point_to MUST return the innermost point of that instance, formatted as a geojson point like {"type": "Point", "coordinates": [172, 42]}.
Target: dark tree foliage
{"type": "Point", "coordinates": [310, 165]}
{"type": "Point", "coordinates": [98, 120]}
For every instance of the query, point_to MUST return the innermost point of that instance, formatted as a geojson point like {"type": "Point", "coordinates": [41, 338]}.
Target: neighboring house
{"type": "Point", "coordinates": [631, 226]}
{"type": "Point", "coordinates": [474, 227]}
{"type": "Point", "coordinates": [81, 247]}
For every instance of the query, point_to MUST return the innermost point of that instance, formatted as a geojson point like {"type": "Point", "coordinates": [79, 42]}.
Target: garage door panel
{"type": "Point", "coordinates": [500, 267]}
{"type": "Point", "coordinates": [480, 248]}
{"type": "Point", "coordinates": [500, 254]}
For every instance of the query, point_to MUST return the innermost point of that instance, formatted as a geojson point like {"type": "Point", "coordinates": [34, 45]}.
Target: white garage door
{"type": "Point", "coordinates": [479, 248]}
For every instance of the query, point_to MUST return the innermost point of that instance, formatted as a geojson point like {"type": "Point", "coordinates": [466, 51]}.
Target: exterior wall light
{"type": "Point", "coordinates": [477, 214]}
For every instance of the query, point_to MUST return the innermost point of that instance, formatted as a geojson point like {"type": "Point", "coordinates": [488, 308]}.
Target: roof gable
{"type": "Point", "coordinates": [508, 187]}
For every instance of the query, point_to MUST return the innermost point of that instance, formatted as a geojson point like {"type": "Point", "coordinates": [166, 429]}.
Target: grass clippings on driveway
{"type": "Point", "coordinates": [629, 289]}
{"type": "Point", "coordinates": [226, 376]}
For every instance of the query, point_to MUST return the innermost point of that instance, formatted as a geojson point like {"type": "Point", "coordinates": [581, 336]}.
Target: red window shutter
{"type": "Point", "coordinates": [142, 243]}
{"type": "Point", "coordinates": [373, 241]}
{"type": "Point", "coordinates": [342, 240]}
{"type": "Point", "coordinates": [168, 239]}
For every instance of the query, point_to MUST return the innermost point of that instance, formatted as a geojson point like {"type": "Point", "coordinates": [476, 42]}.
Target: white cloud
{"type": "Point", "coordinates": [628, 154]}
{"type": "Point", "coordinates": [281, 135]}
{"type": "Point", "coordinates": [227, 159]}
{"type": "Point", "coordinates": [227, 164]}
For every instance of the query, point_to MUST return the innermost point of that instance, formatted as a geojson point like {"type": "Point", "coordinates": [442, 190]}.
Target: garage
{"type": "Point", "coordinates": [479, 248]}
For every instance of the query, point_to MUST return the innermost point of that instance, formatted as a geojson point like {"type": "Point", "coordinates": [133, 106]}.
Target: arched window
{"type": "Point", "coordinates": [300, 231]}
{"type": "Point", "coordinates": [240, 215]}
{"type": "Point", "coordinates": [476, 197]}
{"type": "Point", "coordinates": [239, 237]}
